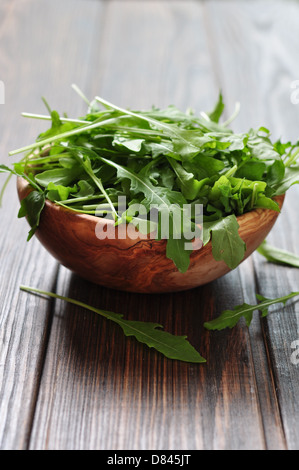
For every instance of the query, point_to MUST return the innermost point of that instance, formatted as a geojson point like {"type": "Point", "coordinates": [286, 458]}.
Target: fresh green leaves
{"type": "Point", "coordinates": [168, 202]}
{"type": "Point", "coordinates": [31, 207]}
{"type": "Point", "coordinates": [229, 318]}
{"type": "Point", "coordinates": [227, 244]}
{"type": "Point", "coordinates": [291, 177]}
{"type": "Point", "coordinates": [162, 157]}
{"type": "Point", "coordinates": [175, 347]}
{"type": "Point", "coordinates": [58, 176]}
{"type": "Point", "coordinates": [277, 255]}
{"type": "Point", "coordinates": [166, 158]}
{"type": "Point", "coordinates": [216, 114]}
{"type": "Point", "coordinates": [172, 347]}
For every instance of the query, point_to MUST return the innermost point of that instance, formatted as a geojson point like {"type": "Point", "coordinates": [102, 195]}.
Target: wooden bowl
{"type": "Point", "coordinates": [137, 265]}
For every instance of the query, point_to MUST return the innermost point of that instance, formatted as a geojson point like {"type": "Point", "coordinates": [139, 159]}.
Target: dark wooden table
{"type": "Point", "coordinates": [70, 379]}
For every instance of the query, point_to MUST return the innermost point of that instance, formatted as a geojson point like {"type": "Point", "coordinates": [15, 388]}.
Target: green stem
{"type": "Point", "coordinates": [90, 208]}
{"type": "Point", "coordinates": [49, 158]}
{"type": "Point", "coordinates": [52, 139]}
{"type": "Point", "coordinates": [68, 299]}
{"type": "Point", "coordinates": [99, 184]}
{"type": "Point", "coordinates": [231, 171]}
{"type": "Point", "coordinates": [170, 129]}
{"type": "Point", "coordinates": [267, 303]}
{"type": "Point", "coordinates": [233, 116]}
{"type": "Point", "coordinates": [292, 158]}
{"type": "Point", "coordinates": [103, 207]}
{"type": "Point", "coordinates": [131, 113]}
{"type": "Point", "coordinates": [80, 93]}
{"type": "Point", "coordinates": [4, 188]}
{"type": "Point", "coordinates": [81, 199]}
{"type": "Point", "coordinates": [74, 209]}
{"type": "Point", "coordinates": [48, 118]}
{"type": "Point", "coordinates": [253, 195]}
{"type": "Point", "coordinates": [46, 104]}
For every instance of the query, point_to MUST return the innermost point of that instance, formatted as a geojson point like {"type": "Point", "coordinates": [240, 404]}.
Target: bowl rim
{"type": "Point", "coordinates": [167, 278]}
{"type": "Point", "coordinates": [24, 188]}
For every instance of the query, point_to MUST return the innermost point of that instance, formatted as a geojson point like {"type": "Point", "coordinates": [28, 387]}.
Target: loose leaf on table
{"type": "Point", "coordinates": [171, 346]}
{"type": "Point", "coordinates": [276, 255]}
{"type": "Point", "coordinates": [229, 318]}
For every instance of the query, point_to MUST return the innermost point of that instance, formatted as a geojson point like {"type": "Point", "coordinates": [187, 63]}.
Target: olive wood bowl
{"type": "Point", "coordinates": [135, 265]}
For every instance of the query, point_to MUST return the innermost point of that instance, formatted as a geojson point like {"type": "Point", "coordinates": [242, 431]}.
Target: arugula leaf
{"type": "Point", "coordinates": [172, 347]}
{"type": "Point", "coordinates": [252, 170]}
{"type": "Point", "coordinates": [203, 166]}
{"type": "Point", "coordinates": [276, 255]}
{"type": "Point", "coordinates": [227, 244]}
{"type": "Point", "coordinates": [161, 157]}
{"type": "Point", "coordinates": [5, 169]}
{"type": "Point", "coordinates": [291, 177]}
{"type": "Point", "coordinates": [57, 127]}
{"type": "Point", "coordinates": [186, 181]}
{"type": "Point", "coordinates": [229, 318]}
{"type": "Point", "coordinates": [58, 192]}
{"type": "Point", "coordinates": [31, 207]}
{"type": "Point", "coordinates": [218, 109]}
{"type": "Point", "coordinates": [19, 171]}
{"type": "Point", "coordinates": [164, 199]}
{"type": "Point", "coordinates": [58, 176]}
{"type": "Point", "coordinates": [86, 189]}
{"type": "Point", "coordinates": [176, 251]}
{"type": "Point", "coordinates": [266, 203]}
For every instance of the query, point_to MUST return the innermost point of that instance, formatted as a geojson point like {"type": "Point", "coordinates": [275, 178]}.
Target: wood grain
{"type": "Point", "coordinates": [26, 321]}
{"type": "Point", "coordinates": [69, 379]}
{"type": "Point", "coordinates": [262, 79]}
{"type": "Point", "coordinates": [164, 405]}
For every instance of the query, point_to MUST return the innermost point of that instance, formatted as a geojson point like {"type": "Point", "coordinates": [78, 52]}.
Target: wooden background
{"type": "Point", "coordinates": [68, 378]}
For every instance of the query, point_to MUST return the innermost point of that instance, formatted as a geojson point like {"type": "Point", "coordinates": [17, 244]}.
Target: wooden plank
{"type": "Point", "coordinates": [98, 389]}
{"type": "Point", "coordinates": [31, 67]}
{"type": "Point", "coordinates": [135, 398]}
{"type": "Point", "coordinates": [260, 50]}
{"type": "Point", "coordinates": [154, 53]}
{"type": "Point", "coordinates": [104, 391]}
{"type": "Point", "coordinates": [266, 388]}
{"type": "Point", "coordinates": [280, 329]}
{"type": "Point", "coordinates": [226, 389]}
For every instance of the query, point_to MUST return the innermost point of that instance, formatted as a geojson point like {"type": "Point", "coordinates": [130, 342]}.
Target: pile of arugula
{"type": "Point", "coordinates": [161, 157]}
{"type": "Point", "coordinates": [158, 157]}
